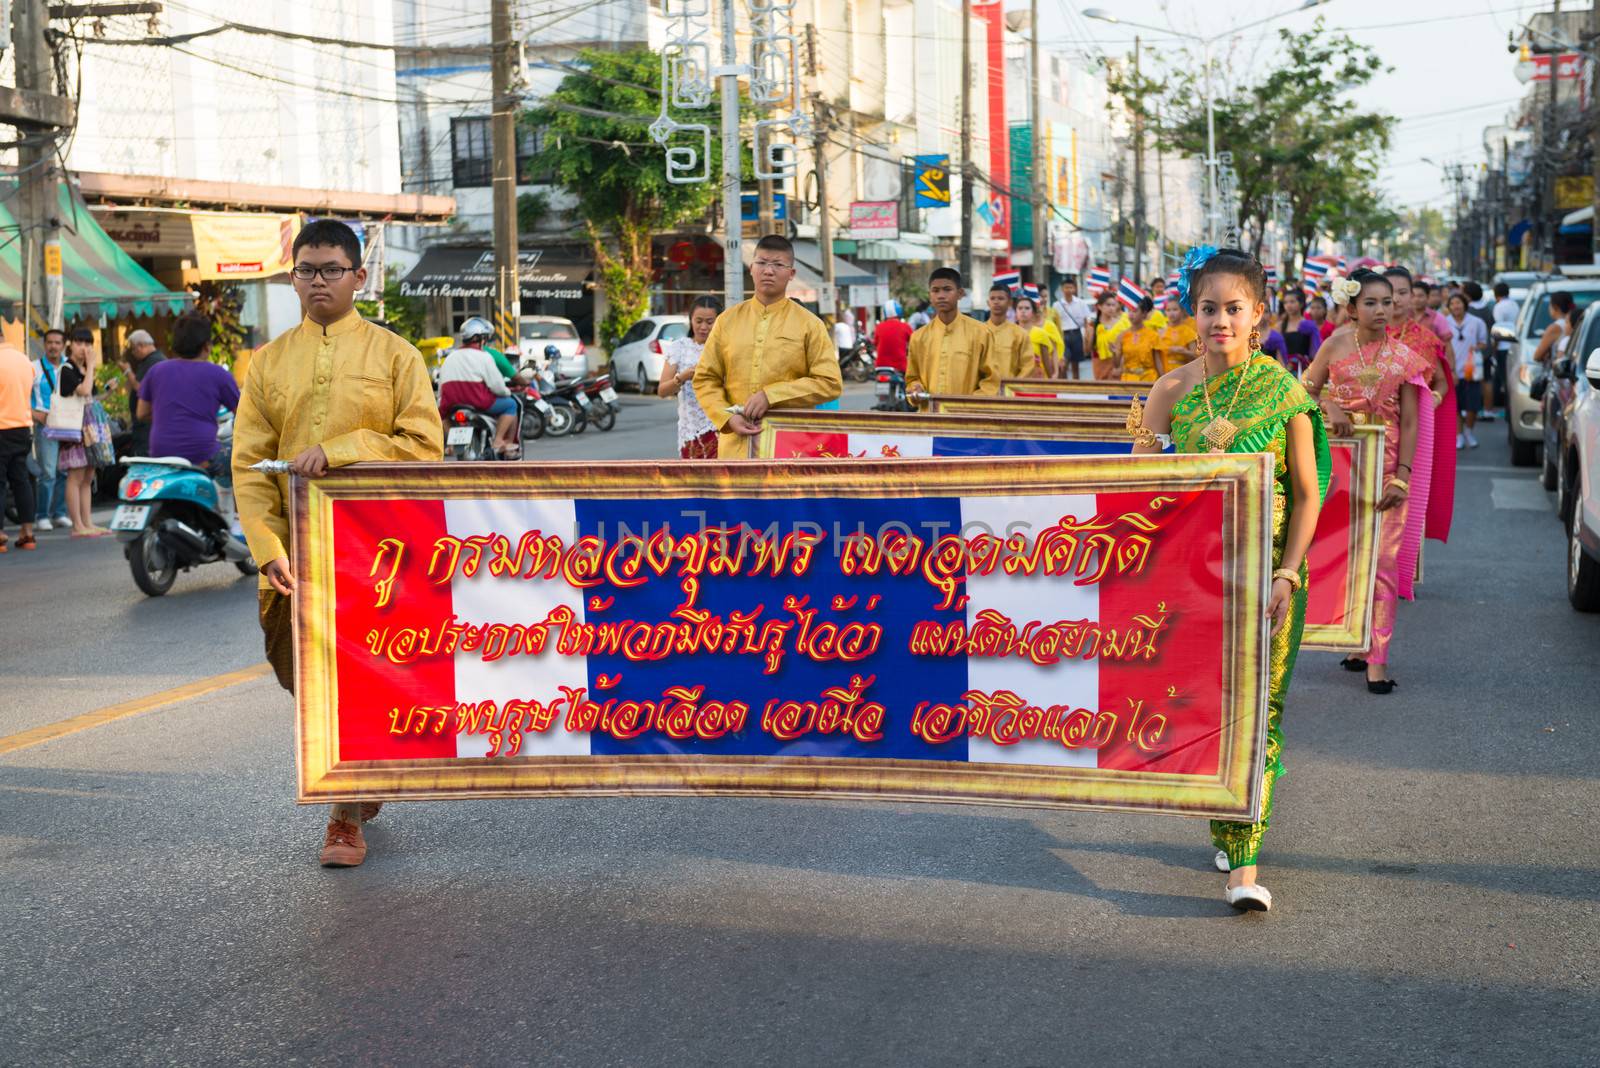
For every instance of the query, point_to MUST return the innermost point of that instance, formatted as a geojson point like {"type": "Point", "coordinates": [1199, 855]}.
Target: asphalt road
{"type": "Point", "coordinates": [1433, 860]}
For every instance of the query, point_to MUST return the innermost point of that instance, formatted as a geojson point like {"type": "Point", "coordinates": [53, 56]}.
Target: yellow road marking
{"type": "Point", "coordinates": [138, 706]}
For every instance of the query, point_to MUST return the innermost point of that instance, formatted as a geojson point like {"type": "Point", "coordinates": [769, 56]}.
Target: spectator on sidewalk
{"type": "Point", "coordinates": [50, 497]}
{"type": "Point", "coordinates": [333, 391]}
{"type": "Point", "coordinates": [78, 380]}
{"type": "Point", "coordinates": [181, 396]}
{"type": "Point", "coordinates": [140, 355]}
{"type": "Point", "coordinates": [16, 442]}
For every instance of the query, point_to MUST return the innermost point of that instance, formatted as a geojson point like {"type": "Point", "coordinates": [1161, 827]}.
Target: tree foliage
{"type": "Point", "coordinates": [598, 150]}
{"type": "Point", "coordinates": [1291, 129]}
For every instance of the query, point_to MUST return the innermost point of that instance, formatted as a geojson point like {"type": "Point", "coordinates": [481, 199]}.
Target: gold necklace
{"type": "Point", "coordinates": [1368, 375]}
{"type": "Point", "coordinates": [1220, 432]}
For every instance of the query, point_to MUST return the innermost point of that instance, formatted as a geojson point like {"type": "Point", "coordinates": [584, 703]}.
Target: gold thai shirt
{"type": "Point", "coordinates": [356, 389]}
{"type": "Point", "coordinates": [954, 358]}
{"type": "Point", "coordinates": [1014, 355]}
{"type": "Point", "coordinates": [778, 348]}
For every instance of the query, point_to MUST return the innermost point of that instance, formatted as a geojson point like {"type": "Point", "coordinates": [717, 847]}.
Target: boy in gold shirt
{"type": "Point", "coordinates": [763, 353]}
{"type": "Point", "coordinates": [1013, 351]}
{"type": "Point", "coordinates": [954, 354]}
{"type": "Point", "coordinates": [333, 391]}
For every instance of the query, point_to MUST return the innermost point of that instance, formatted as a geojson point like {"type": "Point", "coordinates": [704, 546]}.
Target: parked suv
{"type": "Point", "coordinates": [1556, 405]}
{"type": "Point", "coordinates": [637, 357]}
{"type": "Point", "coordinates": [1580, 482]}
{"type": "Point", "coordinates": [1524, 422]}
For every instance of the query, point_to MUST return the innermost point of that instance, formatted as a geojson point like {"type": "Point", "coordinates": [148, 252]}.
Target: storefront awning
{"type": "Point", "coordinates": [1578, 222]}
{"type": "Point", "coordinates": [845, 273]}
{"type": "Point", "coordinates": [899, 251]}
{"type": "Point", "coordinates": [97, 277]}
{"type": "Point", "coordinates": [463, 271]}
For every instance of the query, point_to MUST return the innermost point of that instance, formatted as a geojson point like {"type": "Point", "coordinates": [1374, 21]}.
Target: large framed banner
{"type": "Point", "coordinates": [1049, 632]}
{"type": "Point", "coordinates": [1343, 558]}
{"type": "Point", "coordinates": [1086, 409]}
{"type": "Point", "coordinates": [1074, 389]}
{"type": "Point", "coordinates": [802, 434]}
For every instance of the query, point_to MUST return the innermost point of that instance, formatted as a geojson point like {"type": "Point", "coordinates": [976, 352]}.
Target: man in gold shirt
{"type": "Point", "coordinates": [954, 354]}
{"type": "Point", "coordinates": [1013, 348]}
{"type": "Point", "coordinates": [766, 352]}
{"type": "Point", "coordinates": [335, 390]}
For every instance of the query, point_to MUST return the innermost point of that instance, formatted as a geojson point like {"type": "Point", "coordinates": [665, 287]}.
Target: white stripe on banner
{"type": "Point", "coordinates": [482, 599]}
{"type": "Point", "coordinates": [875, 444]}
{"type": "Point", "coordinates": [1047, 599]}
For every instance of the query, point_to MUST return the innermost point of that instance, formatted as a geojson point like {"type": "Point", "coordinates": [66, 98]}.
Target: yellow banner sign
{"type": "Point", "coordinates": [243, 246]}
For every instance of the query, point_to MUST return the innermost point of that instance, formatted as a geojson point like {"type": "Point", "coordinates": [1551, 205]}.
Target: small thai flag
{"type": "Point", "coordinates": [1031, 292]}
{"type": "Point", "coordinates": [1172, 280]}
{"type": "Point", "coordinates": [1099, 279]}
{"type": "Point", "coordinates": [1272, 275]}
{"type": "Point", "coordinates": [1317, 267]}
{"type": "Point", "coordinates": [1130, 294]}
{"type": "Point", "coordinates": [1343, 264]}
{"type": "Point", "coordinates": [1011, 280]}
{"type": "Point", "coordinates": [1309, 288]}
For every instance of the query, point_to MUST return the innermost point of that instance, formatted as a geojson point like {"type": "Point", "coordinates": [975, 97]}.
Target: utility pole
{"type": "Point", "coordinates": [1121, 219]}
{"type": "Point", "coordinates": [1161, 207]}
{"type": "Point", "coordinates": [819, 143]}
{"type": "Point", "coordinates": [37, 114]}
{"type": "Point", "coordinates": [1547, 151]}
{"type": "Point", "coordinates": [727, 76]}
{"type": "Point", "coordinates": [1138, 177]}
{"type": "Point", "coordinates": [1041, 204]}
{"type": "Point", "coordinates": [503, 133]}
{"type": "Point", "coordinates": [966, 144]}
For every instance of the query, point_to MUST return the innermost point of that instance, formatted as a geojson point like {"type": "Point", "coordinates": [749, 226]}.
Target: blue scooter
{"type": "Point", "coordinates": [171, 519]}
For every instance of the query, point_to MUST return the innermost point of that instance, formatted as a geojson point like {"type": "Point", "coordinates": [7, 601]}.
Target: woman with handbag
{"type": "Point", "coordinates": [72, 405]}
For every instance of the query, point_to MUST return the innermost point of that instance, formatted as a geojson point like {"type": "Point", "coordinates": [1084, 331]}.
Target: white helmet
{"type": "Point", "coordinates": [476, 329]}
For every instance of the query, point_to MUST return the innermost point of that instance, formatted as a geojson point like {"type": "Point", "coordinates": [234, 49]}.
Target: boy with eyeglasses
{"type": "Point", "coordinates": [333, 391]}
{"type": "Point", "coordinates": [763, 353]}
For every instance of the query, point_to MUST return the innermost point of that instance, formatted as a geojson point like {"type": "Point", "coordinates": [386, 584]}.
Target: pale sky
{"type": "Point", "coordinates": [1451, 76]}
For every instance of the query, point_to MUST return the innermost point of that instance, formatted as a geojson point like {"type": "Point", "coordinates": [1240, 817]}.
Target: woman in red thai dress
{"type": "Point", "coordinates": [1366, 375]}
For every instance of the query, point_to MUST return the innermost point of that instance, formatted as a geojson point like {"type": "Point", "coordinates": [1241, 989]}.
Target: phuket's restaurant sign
{"type": "Point", "coordinates": [1052, 632]}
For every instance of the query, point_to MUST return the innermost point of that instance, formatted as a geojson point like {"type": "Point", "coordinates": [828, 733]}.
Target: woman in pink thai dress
{"type": "Point", "coordinates": [1365, 375]}
{"type": "Point", "coordinates": [1414, 324]}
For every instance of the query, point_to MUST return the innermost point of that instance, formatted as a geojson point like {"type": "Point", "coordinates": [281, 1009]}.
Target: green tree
{"type": "Point", "coordinates": [598, 150]}
{"type": "Point", "coordinates": [1292, 130]}
{"type": "Point", "coordinates": [405, 314]}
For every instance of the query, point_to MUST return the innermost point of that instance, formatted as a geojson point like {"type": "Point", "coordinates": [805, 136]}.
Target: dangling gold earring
{"type": "Point", "coordinates": [1255, 342]}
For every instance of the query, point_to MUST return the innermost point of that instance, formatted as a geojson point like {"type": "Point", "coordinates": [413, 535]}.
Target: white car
{"type": "Point", "coordinates": [539, 331]}
{"type": "Point", "coordinates": [637, 358]}
{"type": "Point", "coordinates": [1579, 503]}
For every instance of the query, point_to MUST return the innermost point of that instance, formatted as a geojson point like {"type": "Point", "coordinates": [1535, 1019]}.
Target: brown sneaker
{"type": "Point", "coordinates": [343, 847]}
{"type": "Point", "coordinates": [369, 809]}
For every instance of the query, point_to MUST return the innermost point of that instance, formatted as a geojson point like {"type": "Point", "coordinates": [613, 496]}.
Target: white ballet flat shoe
{"type": "Point", "coordinates": [1221, 861]}
{"type": "Point", "coordinates": [1251, 898]}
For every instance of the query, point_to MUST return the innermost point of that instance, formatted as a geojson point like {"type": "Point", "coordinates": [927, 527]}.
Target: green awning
{"type": "Point", "coordinates": [97, 276]}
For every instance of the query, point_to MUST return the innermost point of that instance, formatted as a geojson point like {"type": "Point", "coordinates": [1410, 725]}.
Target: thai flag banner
{"type": "Point", "coordinates": [1099, 279]}
{"type": "Point", "coordinates": [1129, 294]}
{"type": "Point", "coordinates": [1272, 275]}
{"type": "Point", "coordinates": [1317, 268]}
{"type": "Point", "coordinates": [1044, 631]}
{"type": "Point", "coordinates": [1011, 280]}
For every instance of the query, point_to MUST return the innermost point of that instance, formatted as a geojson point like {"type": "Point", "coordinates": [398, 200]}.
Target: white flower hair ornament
{"type": "Point", "coordinates": [1343, 290]}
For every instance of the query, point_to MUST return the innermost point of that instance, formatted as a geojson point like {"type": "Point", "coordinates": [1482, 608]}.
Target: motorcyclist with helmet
{"type": "Point", "coordinates": [471, 378]}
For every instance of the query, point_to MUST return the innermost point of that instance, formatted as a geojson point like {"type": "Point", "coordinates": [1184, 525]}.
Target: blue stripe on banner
{"type": "Point", "coordinates": [902, 680]}
{"type": "Point", "coordinates": [943, 446]}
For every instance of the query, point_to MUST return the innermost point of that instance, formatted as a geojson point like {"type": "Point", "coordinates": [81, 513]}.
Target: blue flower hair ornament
{"type": "Point", "coordinates": [1197, 258]}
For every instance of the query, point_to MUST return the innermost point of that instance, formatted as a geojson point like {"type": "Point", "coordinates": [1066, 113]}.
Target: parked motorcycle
{"type": "Point", "coordinates": [603, 402]}
{"type": "Point", "coordinates": [173, 518]}
{"type": "Point", "coordinates": [891, 391]}
{"type": "Point", "coordinates": [857, 366]}
{"type": "Point", "coordinates": [570, 404]}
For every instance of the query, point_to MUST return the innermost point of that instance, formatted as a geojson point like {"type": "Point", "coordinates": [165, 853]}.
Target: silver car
{"type": "Point", "coordinates": [1524, 419]}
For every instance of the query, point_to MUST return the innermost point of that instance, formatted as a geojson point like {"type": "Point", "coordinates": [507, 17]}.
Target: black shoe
{"type": "Point", "coordinates": [1352, 663]}
{"type": "Point", "coordinates": [1382, 687]}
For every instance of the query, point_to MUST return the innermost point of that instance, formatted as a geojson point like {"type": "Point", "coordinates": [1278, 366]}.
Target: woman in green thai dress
{"type": "Point", "coordinates": [1235, 399]}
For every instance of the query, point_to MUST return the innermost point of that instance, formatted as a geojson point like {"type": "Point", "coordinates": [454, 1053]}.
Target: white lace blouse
{"type": "Point", "coordinates": [682, 354]}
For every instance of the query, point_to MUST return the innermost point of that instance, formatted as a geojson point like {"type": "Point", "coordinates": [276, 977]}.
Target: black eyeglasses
{"type": "Point", "coordinates": [330, 272]}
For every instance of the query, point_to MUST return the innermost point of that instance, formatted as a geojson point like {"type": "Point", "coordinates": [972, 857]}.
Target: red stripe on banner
{"type": "Point", "coordinates": [372, 687]}
{"type": "Point", "coordinates": [801, 444]}
{"type": "Point", "coordinates": [1184, 680]}
{"type": "Point", "coordinates": [1328, 560]}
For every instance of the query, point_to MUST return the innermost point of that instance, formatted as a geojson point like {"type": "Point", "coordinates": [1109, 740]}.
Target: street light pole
{"type": "Point", "coordinates": [1213, 209]}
